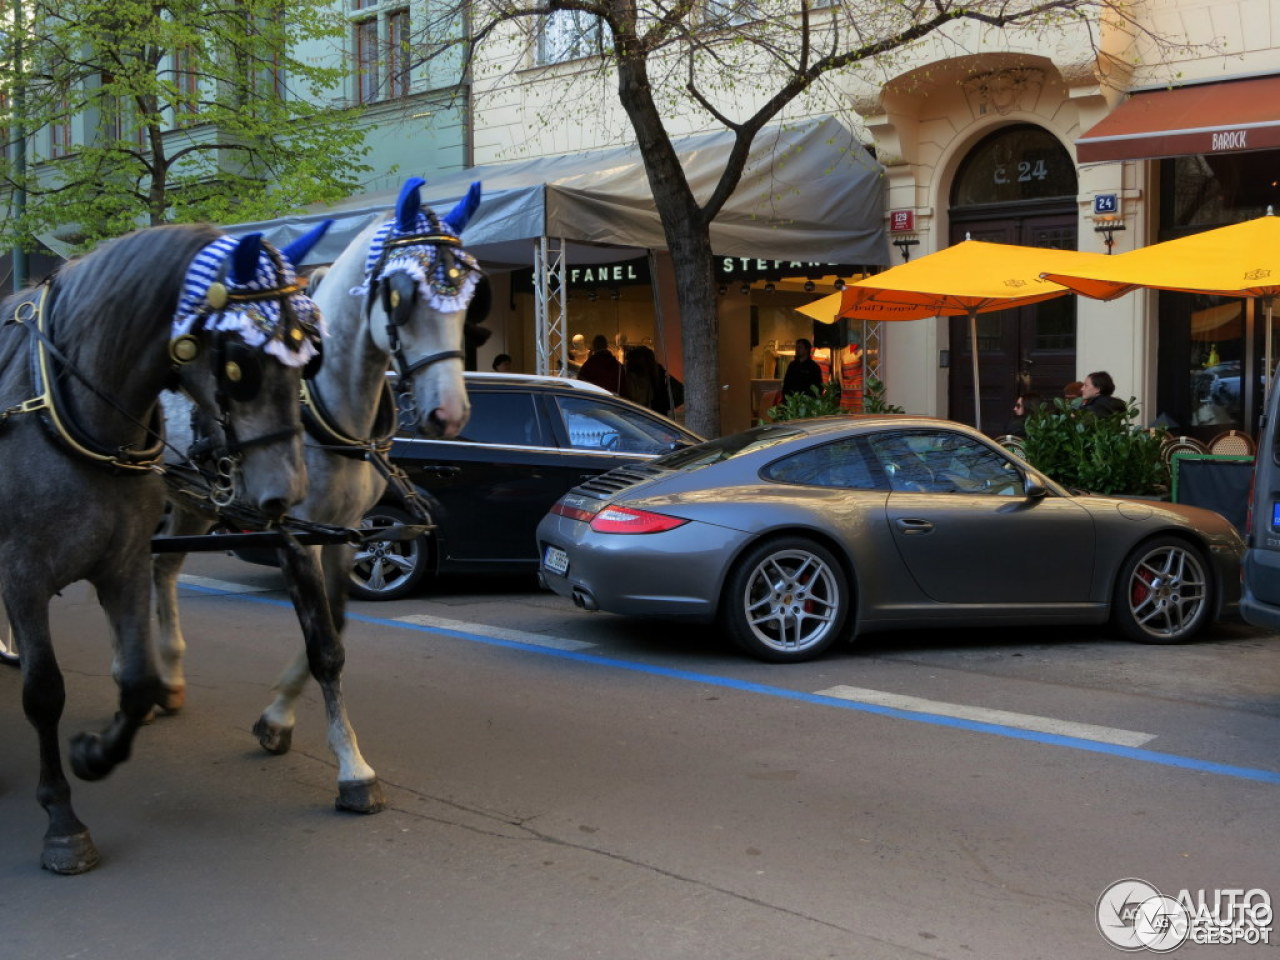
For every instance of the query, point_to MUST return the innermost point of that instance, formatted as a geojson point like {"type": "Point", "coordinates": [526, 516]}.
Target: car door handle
{"type": "Point", "coordinates": [911, 527]}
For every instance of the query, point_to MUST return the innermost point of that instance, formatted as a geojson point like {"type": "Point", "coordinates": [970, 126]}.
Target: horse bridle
{"type": "Point", "coordinates": [238, 371]}
{"type": "Point", "coordinates": [398, 293]}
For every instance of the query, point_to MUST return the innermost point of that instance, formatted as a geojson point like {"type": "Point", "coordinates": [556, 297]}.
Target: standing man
{"type": "Point", "coordinates": [602, 367]}
{"type": "Point", "coordinates": [803, 372]}
{"type": "Point", "coordinates": [1096, 391]}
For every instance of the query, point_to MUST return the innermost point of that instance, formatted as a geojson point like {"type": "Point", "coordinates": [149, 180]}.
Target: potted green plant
{"type": "Point", "coordinates": [826, 402]}
{"type": "Point", "coordinates": [1108, 455]}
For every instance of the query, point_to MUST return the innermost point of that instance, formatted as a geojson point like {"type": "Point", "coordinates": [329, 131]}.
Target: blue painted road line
{"type": "Point", "coordinates": [956, 723]}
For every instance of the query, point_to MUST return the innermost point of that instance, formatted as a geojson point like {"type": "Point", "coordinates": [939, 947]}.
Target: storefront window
{"type": "Point", "coordinates": [1209, 191]}
{"type": "Point", "coordinates": [1212, 348]}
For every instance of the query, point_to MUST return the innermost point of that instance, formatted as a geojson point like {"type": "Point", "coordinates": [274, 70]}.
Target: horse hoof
{"type": "Point", "coordinates": [171, 699]}
{"type": "Point", "coordinates": [360, 796]}
{"type": "Point", "coordinates": [273, 737]}
{"type": "Point", "coordinates": [69, 855]}
{"type": "Point", "coordinates": [87, 761]}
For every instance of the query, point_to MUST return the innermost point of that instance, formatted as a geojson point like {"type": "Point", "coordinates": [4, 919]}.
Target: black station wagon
{"type": "Point", "coordinates": [529, 440]}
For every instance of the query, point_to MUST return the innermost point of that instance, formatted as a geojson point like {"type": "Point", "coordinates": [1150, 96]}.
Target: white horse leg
{"type": "Point", "coordinates": [171, 645]}
{"type": "Point", "coordinates": [8, 649]}
{"type": "Point", "coordinates": [358, 787]}
{"type": "Point", "coordinates": [274, 728]}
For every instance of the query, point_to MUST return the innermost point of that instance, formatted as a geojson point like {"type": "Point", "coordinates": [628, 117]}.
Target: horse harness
{"type": "Point", "coordinates": [31, 316]}
{"type": "Point", "coordinates": [238, 373]}
{"type": "Point", "coordinates": [318, 423]}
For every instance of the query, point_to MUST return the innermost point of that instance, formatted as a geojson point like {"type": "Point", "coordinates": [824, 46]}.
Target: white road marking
{"type": "Point", "coordinates": [225, 586]}
{"type": "Point", "coordinates": [1004, 718]}
{"type": "Point", "coordinates": [497, 633]}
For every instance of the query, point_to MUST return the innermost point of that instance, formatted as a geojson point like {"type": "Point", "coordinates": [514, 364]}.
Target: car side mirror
{"type": "Point", "coordinates": [1033, 489]}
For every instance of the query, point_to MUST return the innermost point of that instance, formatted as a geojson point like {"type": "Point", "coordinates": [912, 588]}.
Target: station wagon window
{"type": "Point", "coordinates": [592, 425]}
{"type": "Point", "coordinates": [503, 418]}
{"type": "Point", "coordinates": [840, 464]}
{"type": "Point", "coordinates": [945, 462]}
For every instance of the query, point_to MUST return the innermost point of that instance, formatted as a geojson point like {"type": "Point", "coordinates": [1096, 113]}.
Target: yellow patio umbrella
{"type": "Point", "coordinates": [965, 280]}
{"type": "Point", "coordinates": [1240, 260]}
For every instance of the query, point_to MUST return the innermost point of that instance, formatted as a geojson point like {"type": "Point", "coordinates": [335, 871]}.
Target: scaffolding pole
{"type": "Point", "coordinates": [549, 306]}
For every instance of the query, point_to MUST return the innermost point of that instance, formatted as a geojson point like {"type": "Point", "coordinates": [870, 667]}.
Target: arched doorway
{"type": "Point", "coordinates": [1017, 185]}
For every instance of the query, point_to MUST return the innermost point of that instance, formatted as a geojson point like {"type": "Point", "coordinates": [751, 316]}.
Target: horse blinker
{"type": "Point", "coordinates": [239, 371]}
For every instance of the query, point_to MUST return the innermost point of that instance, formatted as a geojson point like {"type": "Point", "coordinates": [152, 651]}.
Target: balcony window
{"type": "Point", "coordinates": [381, 46]}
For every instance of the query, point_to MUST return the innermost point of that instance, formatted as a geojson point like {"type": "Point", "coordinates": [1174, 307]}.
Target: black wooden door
{"type": "Point", "coordinates": [1030, 349]}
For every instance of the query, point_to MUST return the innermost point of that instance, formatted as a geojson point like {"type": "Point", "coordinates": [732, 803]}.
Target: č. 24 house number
{"type": "Point", "coordinates": [1024, 172]}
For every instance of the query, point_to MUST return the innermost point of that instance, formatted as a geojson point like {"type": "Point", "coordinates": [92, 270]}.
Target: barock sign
{"type": "Point", "coordinates": [1197, 119]}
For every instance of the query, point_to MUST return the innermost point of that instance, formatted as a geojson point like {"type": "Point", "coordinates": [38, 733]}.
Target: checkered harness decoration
{"type": "Point", "coordinates": [260, 323]}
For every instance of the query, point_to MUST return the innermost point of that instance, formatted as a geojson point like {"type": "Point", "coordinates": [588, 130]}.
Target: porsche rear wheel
{"type": "Point", "coordinates": [786, 601]}
{"type": "Point", "coordinates": [1164, 593]}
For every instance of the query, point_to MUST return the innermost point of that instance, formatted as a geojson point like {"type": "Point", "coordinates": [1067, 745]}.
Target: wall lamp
{"type": "Point", "coordinates": [904, 245]}
{"type": "Point", "coordinates": [1107, 226]}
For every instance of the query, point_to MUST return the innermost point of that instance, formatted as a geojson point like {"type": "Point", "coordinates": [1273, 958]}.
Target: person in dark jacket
{"type": "Point", "coordinates": [803, 372]}
{"type": "Point", "coordinates": [1096, 393]}
{"type": "Point", "coordinates": [1022, 408]}
{"type": "Point", "coordinates": [649, 384]}
{"type": "Point", "coordinates": [602, 367]}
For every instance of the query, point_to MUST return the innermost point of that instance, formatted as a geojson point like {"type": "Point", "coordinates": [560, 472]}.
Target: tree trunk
{"type": "Point", "coordinates": [688, 237]}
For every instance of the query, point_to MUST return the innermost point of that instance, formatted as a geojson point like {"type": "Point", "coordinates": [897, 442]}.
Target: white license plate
{"type": "Point", "coordinates": [556, 560]}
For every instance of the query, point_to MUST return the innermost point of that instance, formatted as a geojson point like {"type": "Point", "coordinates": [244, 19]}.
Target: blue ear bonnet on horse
{"type": "Point", "coordinates": [445, 282]}
{"type": "Point", "coordinates": [218, 295]}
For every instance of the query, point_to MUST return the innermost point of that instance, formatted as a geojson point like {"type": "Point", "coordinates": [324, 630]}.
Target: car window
{"type": "Point", "coordinates": [506, 418]}
{"type": "Point", "coordinates": [593, 425]}
{"type": "Point", "coordinates": [936, 461]}
{"type": "Point", "coordinates": [714, 451]}
{"type": "Point", "coordinates": [839, 464]}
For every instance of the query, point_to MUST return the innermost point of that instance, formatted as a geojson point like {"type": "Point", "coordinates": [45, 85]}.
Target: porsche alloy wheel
{"type": "Point", "coordinates": [787, 601]}
{"type": "Point", "coordinates": [1163, 593]}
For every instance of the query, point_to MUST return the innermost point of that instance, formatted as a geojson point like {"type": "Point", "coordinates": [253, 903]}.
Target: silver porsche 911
{"type": "Point", "coordinates": [796, 534]}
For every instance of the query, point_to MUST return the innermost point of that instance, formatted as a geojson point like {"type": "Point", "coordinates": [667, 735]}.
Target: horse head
{"type": "Point", "coordinates": [424, 292]}
{"type": "Point", "coordinates": [244, 337]}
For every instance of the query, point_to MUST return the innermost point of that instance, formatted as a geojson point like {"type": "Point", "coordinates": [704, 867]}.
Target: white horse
{"type": "Point", "coordinates": [396, 297]}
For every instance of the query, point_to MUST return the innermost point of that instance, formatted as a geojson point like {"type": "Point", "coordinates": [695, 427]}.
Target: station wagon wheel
{"type": "Point", "coordinates": [786, 601]}
{"type": "Point", "coordinates": [385, 569]}
{"type": "Point", "coordinates": [1163, 593]}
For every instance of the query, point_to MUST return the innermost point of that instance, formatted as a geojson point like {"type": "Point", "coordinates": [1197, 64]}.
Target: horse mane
{"type": "Point", "coordinates": [123, 293]}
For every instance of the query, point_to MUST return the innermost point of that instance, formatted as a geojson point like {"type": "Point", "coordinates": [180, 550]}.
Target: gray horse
{"type": "Point", "coordinates": [83, 360]}
{"type": "Point", "coordinates": [396, 297]}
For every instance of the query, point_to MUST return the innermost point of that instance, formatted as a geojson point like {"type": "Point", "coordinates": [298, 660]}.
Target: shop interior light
{"type": "Point", "coordinates": [810, 286]}
{"type": "Point", "coordinates": [839, 284]}
{"type": "Point", "coordinates": [768, 288]}
{"type": "Point", "coordinates": [745, 288]}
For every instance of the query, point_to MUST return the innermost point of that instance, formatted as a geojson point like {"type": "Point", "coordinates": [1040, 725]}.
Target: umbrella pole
{"type": "Point", "coordinates": [973, 350]}
{"type": "Point", "coordinates": [1267, 371]}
